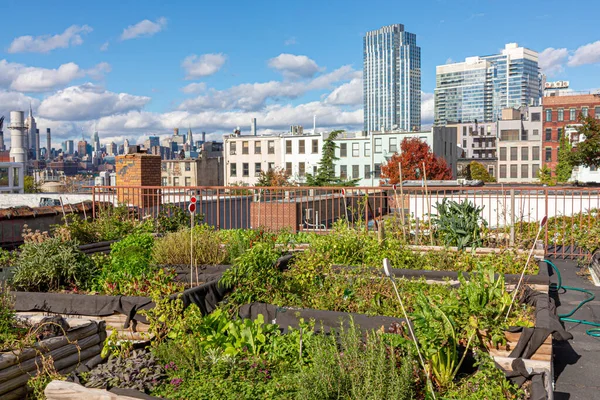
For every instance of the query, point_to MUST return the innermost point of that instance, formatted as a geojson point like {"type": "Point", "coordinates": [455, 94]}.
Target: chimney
{"type": "Point", "coordinates": [48, 143]}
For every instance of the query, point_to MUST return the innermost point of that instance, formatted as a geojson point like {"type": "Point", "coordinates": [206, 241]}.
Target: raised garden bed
{"type": "Point", "coordinates": [82, 344]}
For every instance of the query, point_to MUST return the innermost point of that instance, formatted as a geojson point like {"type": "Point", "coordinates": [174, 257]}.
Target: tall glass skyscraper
{"type": "Point", "coordinates": [480, 87]}
{"type": "Point", "coordinates": [392, 80]}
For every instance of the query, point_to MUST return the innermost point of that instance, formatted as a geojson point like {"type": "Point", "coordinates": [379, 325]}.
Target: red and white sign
{"type": "Point", "coordinates": [193, 199]}
{"type": "Point", "coordinates": [394, 187]}
{"type": "Point", "coordinates": [192, 207]}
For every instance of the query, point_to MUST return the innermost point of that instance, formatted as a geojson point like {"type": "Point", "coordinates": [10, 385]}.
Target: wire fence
{"type": "Point", "coordinates": [512, 214]}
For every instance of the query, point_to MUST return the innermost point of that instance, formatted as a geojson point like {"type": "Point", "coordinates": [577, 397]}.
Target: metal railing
{"type": "Point", "coordinates": [511, 213]}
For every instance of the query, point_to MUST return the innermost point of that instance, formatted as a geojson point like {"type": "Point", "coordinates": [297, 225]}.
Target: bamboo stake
{"type": "Point", "coordinates": [402, 199]}
{"type": "Point", "coordinates": [428, 203]}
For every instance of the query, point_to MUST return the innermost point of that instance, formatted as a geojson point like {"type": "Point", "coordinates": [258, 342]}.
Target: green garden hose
{"type": "Point", "coordinates": [565, 317]}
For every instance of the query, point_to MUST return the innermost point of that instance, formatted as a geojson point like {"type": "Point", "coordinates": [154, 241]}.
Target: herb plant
{"type": "Point", "coordinates": [459, 224]}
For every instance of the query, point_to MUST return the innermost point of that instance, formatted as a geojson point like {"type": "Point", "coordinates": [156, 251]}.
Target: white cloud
{"type": "Point", "coordinates": [427, 109]}
{"type": "Point", "coordinates": [104, 46]}
{"type": "Point", "coordinates": [194, 87]}
{"type": "Point", "coordinates": [253, 96]}
{"type": "Point", "coordinates": [290, 41]}
{"type": "Point", "coordinates": [202, 65]}
{"type": "Point", "coordinates": [293, 66]}
{"type": "Point", "coordinates": [88, 101]}
{"type": "Point", "coordinates": [586, 54]}
{"type": "Point", "coordinates": [551, 60]}
{"type": "Point", "coordinates": [144, 28]}
{"type": "Point", "coordinates": [350, 93]}
{"type": "Point", "coordinates": [33, 79]}
{"type": "Point", "coordinates": [46, 43]}
{"type": "Point", "coordinates": [449, 61]}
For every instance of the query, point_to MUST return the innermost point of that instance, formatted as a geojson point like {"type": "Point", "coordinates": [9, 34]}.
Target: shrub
{"type": "Point", "coordinates": [9, 329]}
{"type": "Point", "coordinates": [172, 218]}
{"type": "Point", "coordinates": [174, 248]}
{"type": "Point", "coordinates": [52, 265]}
{"type": "Point", "coordinates": [357, 368]}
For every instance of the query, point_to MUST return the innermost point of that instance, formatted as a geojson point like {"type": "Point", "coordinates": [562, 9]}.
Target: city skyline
{"type": "Point", "coordinates": [144, 72]}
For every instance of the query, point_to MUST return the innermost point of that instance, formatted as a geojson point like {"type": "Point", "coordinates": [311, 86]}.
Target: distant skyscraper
{"type": "Point", "coordinates": [48, 144]}
{"type": "Point", "coordinates": [96, 141]}
{"type": "Point", "coordinates": [32, 136]}
{"type": "Point", "coordinates": [82, 148]}
{"type": "Point", "coordinates": [391, 79]}
{"type": "Point", "coordinates": [480, 87]}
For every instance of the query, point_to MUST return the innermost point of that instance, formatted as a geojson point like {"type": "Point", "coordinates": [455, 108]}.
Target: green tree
{"type": "Point", "coordinates": [545, 176]}
{"type": "Point", "coordinates": [478, 172]}
{"type": "Point", "coordinates": [276, 177]}
{"type": "Point", "coordinates": [30, 185]}
{"type": "Point", "coordinates": [326, 171]}
{"type": "Point", "coordinates": [564, 168]}
{"type": "Point", "coordinates": [587, 152]}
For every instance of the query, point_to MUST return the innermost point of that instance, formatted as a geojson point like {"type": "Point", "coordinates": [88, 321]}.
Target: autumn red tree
{"type": "Point", "coordinates": [414, 153]}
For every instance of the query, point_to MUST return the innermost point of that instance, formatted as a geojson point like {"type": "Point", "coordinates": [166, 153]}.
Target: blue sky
{"type": "Point", "coordinates": [134, 68]}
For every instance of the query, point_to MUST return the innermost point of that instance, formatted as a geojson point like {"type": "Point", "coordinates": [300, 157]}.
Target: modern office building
{"type": "Point", "coordinates": [392, 80]}
{"type": "Point", "coordinates": [560, 111]}
{"type": "Point", "coordinates": [519, 145]}
{"type": "Point", "coordinates": [477, 89]}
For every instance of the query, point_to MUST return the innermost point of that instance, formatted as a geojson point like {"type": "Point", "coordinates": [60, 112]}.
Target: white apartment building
{"type": "Point", "coordinates": [581, 174]}
{"type": "Point", "coordinates": [361, 156]}
{"type": "Point", "coordinates": [519, 145]}
{"type": "Point", "coordinates": [247, 155]}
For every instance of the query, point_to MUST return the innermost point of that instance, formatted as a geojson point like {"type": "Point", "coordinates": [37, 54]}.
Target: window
{"type": "Point", "coordinates": [572, 114]}
{"type": "Point", "coordinates": [271, 147]}
{"type": "Point", "coordinates": [188, 181]}
{"type": "Point", "coordinates": [560, 131]}
{"type": "Point", "coordinates": [355, 149]}
{"type": "Point", "coordinates": [367, 149]}
{"type": "Point", "coordinates": [535, 153]}
{"type": "Point", "coordinates": [491, 170]}
{"type": "Point", "coordinates": [393, 145]}
{"type": "Point", "coordinates": [489, 129]}
{"type": "Point", "coordinates": [597, 112]}
{"type": "Point", "coordinates": [593, 168]}
{"type": "Point", "coordinates": [270, 166]}
{"type": "Point", "coordinates": [245, 147]}
{"type": "Point", "coordinates": [377, 170]}
{"type": "Point", "coordinates": [561, 114]}
{"type": "Point", "coordinates": [481, 131]}
{"type": "Point", "coordinates": [524, 171]}
{"type": "Point", "coordinates": [464, 131]}
{"type": "Point", "coordinates": [535, 117]}
{"type": "Point", "coordinates": [163, 181]}
{"type": "Point", "coordinates": [535, 168]}
{"type": "Point", "coordinates": [176, 181]}
{"type": "Point", "coordinates": [464, 143]}
{"type": "Point", "coordinates": [509, 134]}
{"type": "Point", "coordinates": [288, 168]}
{"type": "Point", "coordinates": [301, 148]}
{"type": "Point", "coordinates": [187, 166]}
{"type": "Point", "coordinates": [315, 146]}
{"type": "Point", "coordinates": [502, 153]}
{"type": "Point", "coordinates": [344, 150]}
{"type": "Point", "coordinates": [514, 154]}
{"type": "Point", "coordinates": [524, 134]}
{"type": "Point", "coordinates": [245, 169]}
{"type": "Point", "coordinates": [584, 112]}
{"type": "Point", "coordinates": [257, 169]}
{"type": "Point", "coordinates": [514, 171]}
{"type": "Point", "coordinates": [233, 169]}
{"type": "Point", "coordinates": [367, 171]}
{"type": "Point", "coordinates": [524, 153]}
{"type": "Point", "coordinates": [536, 132]}
{"type": "Point", "coordinates": [548, 134]}
{"type": "Point", "coordinates": [315, 170]}
{"type": "Point", "coordinates": [257, 147]}
{"type": "Point", "coordinates": [503, 171]}
{"type": "Point", "coordinates": [378, 144]}
{"type": "Point", "coordinates": [355, 172]}
{"type": "Point", "coordinates": [232, 148]}
{"type": "Point", "coordinates": [288, 147]}
{"type": "Point", "coordinates": [548, 115]}
{"type": "Point", "coordinates": [548, 154]}
{"type": "Point", "coordinates": [343, 171]}
{"type": "Point", "coordinates": [301, 168]}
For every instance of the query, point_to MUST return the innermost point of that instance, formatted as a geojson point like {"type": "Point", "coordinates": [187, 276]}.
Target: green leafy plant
{"type": "Point", "coordinates": [459, 224]}
{"type": "Point", "coordinates": [174, 248]}
{"type": "Point", "coordinates": [172, 218]}
{"type": "Point", "coordinates": [52, 265]}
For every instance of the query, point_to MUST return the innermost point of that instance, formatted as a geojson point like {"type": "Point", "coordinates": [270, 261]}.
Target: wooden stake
{"type": "Point", "coordinates": [428, 203]}
{"type": "Point", "coordinates": [402, 199]}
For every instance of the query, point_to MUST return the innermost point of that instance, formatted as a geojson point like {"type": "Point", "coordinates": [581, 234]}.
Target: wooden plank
{"type": "Point", "coordinates": [61, 390]}
{"type": "Point", "coordinates": [11, 358]}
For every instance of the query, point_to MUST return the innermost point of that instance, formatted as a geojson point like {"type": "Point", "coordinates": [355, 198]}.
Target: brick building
{"type": "Point", "coordinates": [135, 170]}
{"type": "Point", "coordinates": [560, 111]}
